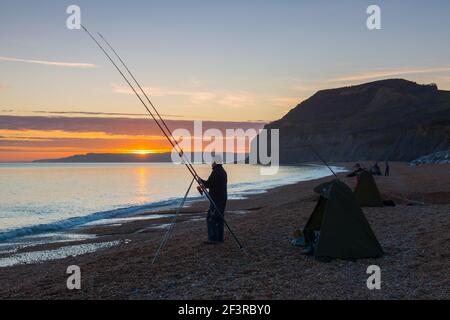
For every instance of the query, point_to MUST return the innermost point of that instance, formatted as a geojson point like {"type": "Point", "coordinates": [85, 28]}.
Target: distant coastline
{"type": "Point", "coordinates": [109, 158]}
{"type": "Point", "coordinates": [127, 157]}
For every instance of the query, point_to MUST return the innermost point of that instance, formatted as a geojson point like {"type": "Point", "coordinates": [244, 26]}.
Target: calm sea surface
{"type": "Point", "coordinates": [50, 197]}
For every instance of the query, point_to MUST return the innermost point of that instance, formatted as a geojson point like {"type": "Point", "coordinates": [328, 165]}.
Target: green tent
{"type": "Point", "coordinates": [366, 190]}
{"type": "Point", "coordinates": [338, 228]}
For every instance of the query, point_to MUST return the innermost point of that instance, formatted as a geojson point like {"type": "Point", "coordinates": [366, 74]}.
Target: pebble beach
{"type": "Point", "coordinates": [414, 236]}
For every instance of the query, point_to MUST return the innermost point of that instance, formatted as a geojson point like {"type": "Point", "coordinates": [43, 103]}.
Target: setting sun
{"type": "Point", "coordinates": [142, 152]}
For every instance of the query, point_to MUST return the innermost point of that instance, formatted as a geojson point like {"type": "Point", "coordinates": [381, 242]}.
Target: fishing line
{"type": "Point", "coordinates": [321, 159]}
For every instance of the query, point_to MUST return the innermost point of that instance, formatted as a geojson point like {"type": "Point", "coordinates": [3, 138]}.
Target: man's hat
{"type": "Point", "coordinates": [217, 159]}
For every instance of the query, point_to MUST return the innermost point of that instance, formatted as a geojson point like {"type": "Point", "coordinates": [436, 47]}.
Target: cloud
{"type": "Point", "coordinates": [35, 137]}
{"type": "Point", "coordinates": [100, 113]}
{"type": "Point", "coordinates": [196, 82]}
{"type": "Point", "coordinates": [222, 97]}
{"type": "Point", "coordinates": [237, 100]}
{"type": "Point", "coordinates": [49, 135]}
{"type": "Point", "coordinates": [389, 73]}
{"type": "Point", "coordinates": [50, 63]}
{"type": "Point", "coordinates": [116, 126]}
{"type": "Point", "coordinates": [199, 97]}
{"type": "Point", "coordinates": [286, 101]}
{"type": "Point", "coordinates": [85, 113]}
{"type": "Point", "coordinates": [3, 87]}
{"type": "Point", "coordinates": [195, 96]}
{"type": "Point", "coordinates": [300, 85]}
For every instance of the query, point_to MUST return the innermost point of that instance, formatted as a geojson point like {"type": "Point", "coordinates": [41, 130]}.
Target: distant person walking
{"type": "Point", "coordinates": [217, 185]}
{"type": "Point", "coordinates": [386, 169]}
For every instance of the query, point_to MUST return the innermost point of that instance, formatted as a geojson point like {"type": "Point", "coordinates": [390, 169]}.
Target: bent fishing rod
{"type": "Point", "coordinates": [163, 128]}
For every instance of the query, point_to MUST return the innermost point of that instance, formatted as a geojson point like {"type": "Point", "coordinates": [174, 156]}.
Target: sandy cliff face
{"type": "Point", "coordinates": [385, 120]}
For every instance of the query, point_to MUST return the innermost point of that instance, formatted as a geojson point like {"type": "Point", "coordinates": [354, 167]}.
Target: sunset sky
{"type": "Point", "coordinates": [236, 64]}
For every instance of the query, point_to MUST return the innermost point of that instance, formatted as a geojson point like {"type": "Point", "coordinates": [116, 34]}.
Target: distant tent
{"type": "Point", "coordinates": [338, 228]}
{"type": "Point", "coordinates": [366, 190]}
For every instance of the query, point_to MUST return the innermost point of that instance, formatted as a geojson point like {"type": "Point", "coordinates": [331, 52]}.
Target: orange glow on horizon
{"type": "Point", "coordinates": [143, 152]}
{"type": "Point", "coordinates": [25, 145]}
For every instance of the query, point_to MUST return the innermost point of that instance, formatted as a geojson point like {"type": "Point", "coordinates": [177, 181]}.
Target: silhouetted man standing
{"type": "Point", "coordinates": [386, 171]}
{"type": "Point", "coordinates": [217, 185]}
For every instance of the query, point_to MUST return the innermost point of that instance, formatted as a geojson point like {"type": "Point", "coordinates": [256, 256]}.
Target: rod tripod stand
{"type": "Point", "coordinates": [172, 224]}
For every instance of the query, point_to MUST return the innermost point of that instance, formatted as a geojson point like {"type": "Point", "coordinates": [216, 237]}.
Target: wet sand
{"type": "Point", "coordinates": [414, 235]}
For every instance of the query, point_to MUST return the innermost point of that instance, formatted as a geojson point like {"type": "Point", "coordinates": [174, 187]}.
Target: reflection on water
{"type": "Point", "coordinates": [142, 178]}
{"type": "Point", "coordinates": [42, 194]}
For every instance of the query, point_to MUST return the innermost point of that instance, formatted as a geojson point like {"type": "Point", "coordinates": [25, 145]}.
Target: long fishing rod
{"type": "Point", "coordinates": [172, 141]}
{"type": "Point", "coordinates": [124, 77]}
{"type": "Point", "coordinates": [137, 95]}
{"type": "Point", "coordinates": [186, 161]}
{"type": "Point", "coordinates": [321, 159]}
{"type": "Point", "coordinates": [142, 91]}
{"type": "Point", "coordinates": [168, 134]}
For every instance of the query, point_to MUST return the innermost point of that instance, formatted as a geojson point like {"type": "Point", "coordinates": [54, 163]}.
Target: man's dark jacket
{"type": "Point", "coordinates": [217, 185]}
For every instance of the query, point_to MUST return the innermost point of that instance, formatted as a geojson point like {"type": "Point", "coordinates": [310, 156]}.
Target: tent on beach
{"type": "Point", "coordinates": [338, 228]}
{"type": "Point", "coordinates": [366, 190]}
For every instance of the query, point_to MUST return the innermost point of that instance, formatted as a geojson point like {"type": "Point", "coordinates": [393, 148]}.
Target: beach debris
{"type": "Point", "coordinates": [299, 238]}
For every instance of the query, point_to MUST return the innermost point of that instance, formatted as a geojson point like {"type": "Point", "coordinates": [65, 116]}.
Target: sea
{"type": "Point", "coordinates": [37, 198]}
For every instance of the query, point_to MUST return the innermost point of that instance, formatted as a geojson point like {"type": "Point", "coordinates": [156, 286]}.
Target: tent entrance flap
{"type": "Point", "coordinates": [315, 221]}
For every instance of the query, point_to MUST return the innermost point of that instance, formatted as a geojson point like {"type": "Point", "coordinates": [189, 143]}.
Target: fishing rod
{"type": "Point", "coordinates": [171, 139]}
{"type": "Point", "coordinates": [321, 159]}
{"type": "Point", "coordinates": [174, 143]}
{"type": "Point", "coordinates": [169, 132]}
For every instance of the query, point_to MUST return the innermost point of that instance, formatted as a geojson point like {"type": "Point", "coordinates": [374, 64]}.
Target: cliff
{"type": "Point", "coordinates": [384, 120]}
